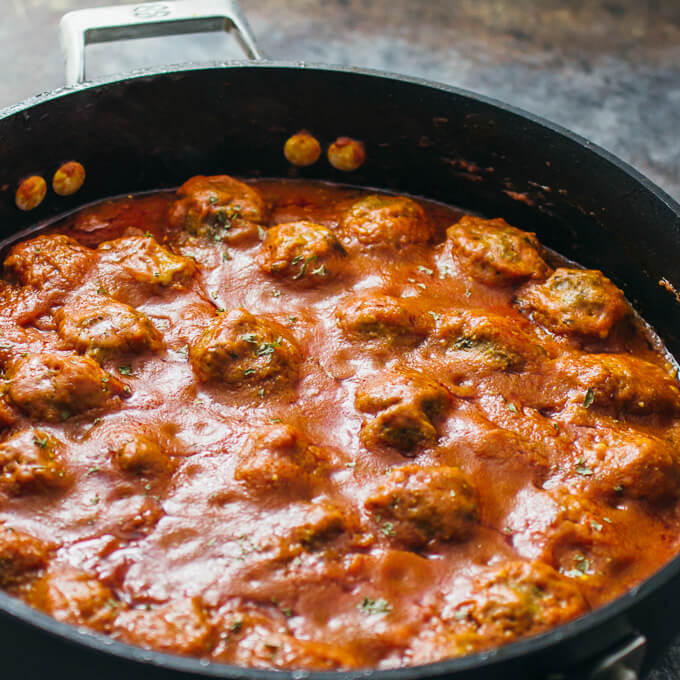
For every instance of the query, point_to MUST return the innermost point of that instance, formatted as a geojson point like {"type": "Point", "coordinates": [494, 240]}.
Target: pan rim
{"type": "Point", "coordinates": [579, 627]}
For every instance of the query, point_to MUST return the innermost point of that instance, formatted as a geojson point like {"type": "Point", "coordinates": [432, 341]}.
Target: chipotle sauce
{"type": "Point", "coordinates": [296, 425]}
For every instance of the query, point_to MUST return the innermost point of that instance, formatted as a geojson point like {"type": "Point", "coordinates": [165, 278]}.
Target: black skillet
{"type": "Point", "coordinates": [154, 129]}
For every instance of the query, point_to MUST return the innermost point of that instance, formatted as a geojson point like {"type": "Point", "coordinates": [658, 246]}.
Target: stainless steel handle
{"type": "Point", "coordinates": [146, 20]}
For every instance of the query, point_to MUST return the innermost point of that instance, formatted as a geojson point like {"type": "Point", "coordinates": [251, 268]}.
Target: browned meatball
{"type": "Point", "coordinates": [143, 454]}
{"type": "Point", "coordinates": [249, 637]}
{"type": "Point", "coordinates": [619, 383]}
{"type": "Point", "coordinates": [393, 221]}
{"type": "Point", "coordinates": [382, 318]}
{"type": "Point", "coordinates": [31, 460]}
{"type": "Point", "coordinates": [73, 596]}
{"type": "Point", "coordinates": [496, 253]}
{"type": "Point", "coordinates": [146, 261]}
{"type": "Point", "coordinates": [50, 263]}
{"type": "Point", "coordinates": [53, 387]}
{"type": "Point", "coordinates": [322, 522]}
{"type": "Point", "coordinates": [218, 207]}
{"type": "Point", "coordinates": [180, 627]}
{"type": "Point", "coordinates": [421, 504]}
{"type": "Point", "coordinates": [628, 463]}
{"type": "Point", "coordinates": [238, 348]}
{"type": "Point", "coordinates": [482, 340]}
{"type": "Point", "coordinates": [20, 556]}
{"type": "Point", "coordinates": [280, 457]}
{"type": "Point", "coordinates": [404, 403]}
{"type": "Point", "coordinates": [304, 252]}
{"type": "Point", "coordinates": [579, 302]}
{"type": "Point", "coordinates": [519, 598]}
{"type": "Point", "coordinates": [103, 328]}
{"type": "Point", "coordinates": [587, 542]}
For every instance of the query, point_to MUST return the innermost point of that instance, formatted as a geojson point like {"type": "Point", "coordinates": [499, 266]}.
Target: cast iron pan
{"type": "Point", "coordinates": [154, 129]}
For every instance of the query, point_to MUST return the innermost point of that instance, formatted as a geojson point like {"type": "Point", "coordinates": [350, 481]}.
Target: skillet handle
{"type": "Point", "coordinates": [146, 20]}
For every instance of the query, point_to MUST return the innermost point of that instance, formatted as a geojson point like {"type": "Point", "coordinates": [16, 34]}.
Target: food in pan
{"type": "Point", "coordinates": [295, 425]}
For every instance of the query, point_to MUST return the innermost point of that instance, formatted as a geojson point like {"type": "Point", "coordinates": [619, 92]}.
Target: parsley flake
{"type": "Point", "coordinates": [589, 398]}
{"type": "Point", "coordinates": [125, 370]}
{"type": "Point", "coordinates": [370, 606]}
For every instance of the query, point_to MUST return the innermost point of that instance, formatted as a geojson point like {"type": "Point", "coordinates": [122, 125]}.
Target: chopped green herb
{"type": "Point", "coordinates": [261, 232]}
{"type": "Point", "coordinates": [268, 348]}
{"type": "Point", "coordinates": [42, 443]}
{"type": "Point", "coordinates": [352, 465]}
{"type": "Point", "coordinates": [618, 488]}
{"type": "Point", "coordinates": [125, 370]}
{"type": "Point", "coordinates": [127, 389]}
{"type": "Point", "coordinates": [249, 371]}
{"type": "Point", "coordinates": [468, 292]}
{"type": "Point", "coordinates": [425, 270]}
{"type": "Point", "coordinates": [589, 398]}
{"type": "Point", "coordinates": [582, 564]}
{"type": "Point", "coordinates": [260, 392]}
{"type": "Point", "coordinates": [93, 470]}
{"type": "Point", "coordinates": [388, 529]}
{"type": "Point", "coordinates": [94, 500]}
{"type": "Point", "coordinates": [236, 626]}
{"type": "Point", "coordinates": [583, 469]}
{"type": "Point", "coordinates": [595, 526]}
{"type": "Point", "coordinates": [371, 606]}
{"type": "Point", "coordinates": [511, 407]}
{"type": "Point", "coordinates": [276, 293]}
{"type": "Point", "coordinates": [249, 337]}
{"type": "Point", "coordinates": [212, 200]}
{"type": "Point", "coordinates": [292, 319]}
{"type": "Point", "coordinates": [320, 271]}
{"type": "Point", "coordinates": [434, 315]}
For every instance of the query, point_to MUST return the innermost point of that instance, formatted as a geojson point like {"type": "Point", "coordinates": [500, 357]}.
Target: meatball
{"type": "Point", "coordinates": [304, 252]}
{"type": "Point", "coordinates": [31, 460]}
{"type": "Point", "coordinates": [382, 318]}
{"type": "Point", "coordinates": [323, 521]}
{"type": "Point", "coordinates": [487, 341]}
{"type": "Point", "coordinates": [51, 263]}
{"type": "Point", "coordinates": [251, 637]}
{"type": "Point", "coordinates": [404, 403]}
{"type": "Point", "coordinates": [578, 302]}
{"type": "Point", "coordinates": [238, 348]}
{"type": "Point", "coordinates": [280, 457]}
{"type": "Point", "coordinates": [393, 221]}
{"type": "Point", "coordinates": [619, 383]}
{"type": "Point", "coordinates": [143, 454]}
{"type": "Point", "coordinates": [20, 556]}
{"type": "Point", "coordinates": [496, 253]}
{"type": "Point", "coordinates": [519, 598]}
{"type": "Point", "coordinates": [180, 627]}
{"type": "Point", "coordinates": [146, 261]}
{"type": "Point", "coordinates": [73, 596]}
{"type": "Point", "coordinates": [628, 463]}
{"type": "Point", "coordinates": [585, 542]}
{"type": "Point", "coordinates": [420, 504]}
{"type": "Point", "coordinates": [104, 328]}
{"type": "Point", "coordinates": [53, 387]}
{"type": "Point", "coordinates": [218, 206]}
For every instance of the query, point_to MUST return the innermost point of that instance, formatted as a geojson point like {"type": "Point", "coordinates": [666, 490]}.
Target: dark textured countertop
{"type": "Point", "coordinates": [608, 69]}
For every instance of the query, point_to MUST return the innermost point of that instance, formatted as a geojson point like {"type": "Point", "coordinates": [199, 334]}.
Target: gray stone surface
{"type": "Point", "coordinates": [607, 69]}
